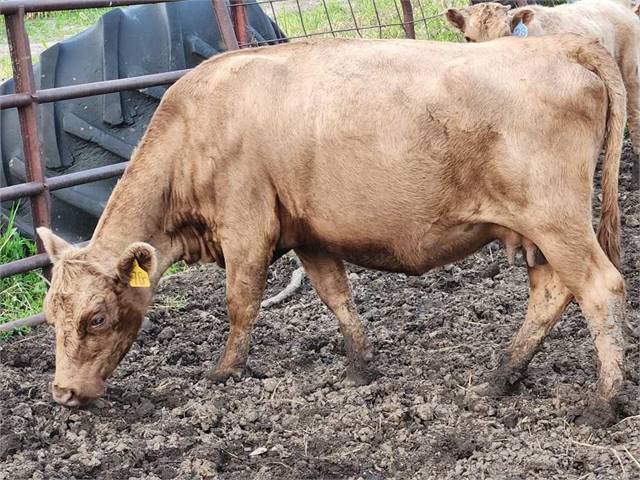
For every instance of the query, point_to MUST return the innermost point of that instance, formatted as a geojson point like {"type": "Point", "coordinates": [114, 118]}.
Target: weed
{"type": "Point", "coordinates": [20, 295]}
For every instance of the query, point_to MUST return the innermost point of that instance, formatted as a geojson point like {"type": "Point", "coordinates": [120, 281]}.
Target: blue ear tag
{"type": "Point", "coordinates": [521, 30]}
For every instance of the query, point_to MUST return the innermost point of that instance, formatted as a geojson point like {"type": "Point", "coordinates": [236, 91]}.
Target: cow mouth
{"type": "Point", "coordinates": [77, 397]}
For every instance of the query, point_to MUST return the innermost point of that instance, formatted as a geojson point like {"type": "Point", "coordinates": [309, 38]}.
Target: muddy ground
{"type": "Point", "coordinates": [290, 417]}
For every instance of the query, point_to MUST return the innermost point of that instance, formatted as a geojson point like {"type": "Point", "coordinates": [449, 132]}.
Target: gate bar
{"type": "Point", "coordinates": [225, 24]}
{"type": "Point", "coordinates": [87, 89]}
{"type": "Point", "coordinates": [28, 117]}
{"type": "Point", "coordinates": [23, 322]}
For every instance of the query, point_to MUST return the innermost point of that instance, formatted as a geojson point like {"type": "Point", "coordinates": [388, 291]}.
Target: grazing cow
{"type": "Point", "coordinates": [614, 24]}
{"type": "Point", "coordinates": [376, 152]}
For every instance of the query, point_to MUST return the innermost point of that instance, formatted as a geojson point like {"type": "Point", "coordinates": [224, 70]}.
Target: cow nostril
{"type": "Point", "coordinates": [65, 396]}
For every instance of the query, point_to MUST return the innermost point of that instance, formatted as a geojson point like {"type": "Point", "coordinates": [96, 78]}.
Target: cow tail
{"type": "Point", "coordinates": [598, 60]}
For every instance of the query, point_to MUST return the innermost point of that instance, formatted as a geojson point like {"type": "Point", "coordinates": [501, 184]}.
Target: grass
{"type": "Point", "coordinates": [46, 30]}
{"type": "Point", "coordinates": [22, 295]}
{"type": "Point", "coordinates": [368, 15]}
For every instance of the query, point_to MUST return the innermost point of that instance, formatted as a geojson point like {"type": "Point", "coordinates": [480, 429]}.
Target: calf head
{"type": "Point", "coordinates": [96, 303]}
{"type": "Point", "coordinates": [487, 21]}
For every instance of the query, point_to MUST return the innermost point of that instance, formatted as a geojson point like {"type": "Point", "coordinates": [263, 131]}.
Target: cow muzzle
{"type": "Point", "coordinates": [75, 396]}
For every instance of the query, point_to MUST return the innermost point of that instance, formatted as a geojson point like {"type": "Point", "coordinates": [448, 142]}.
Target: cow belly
{"type": "Point", "coordinates": [405, 252]}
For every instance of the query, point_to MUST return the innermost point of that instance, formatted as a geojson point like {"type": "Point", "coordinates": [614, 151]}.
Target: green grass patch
{"type": "Point", "coordinates": [46, 30]}
{"type": "Point", "coordinates": [366, 15]}
{"type": "Point", "coordinates": [20, 295]}
{"type": "Point", "coordinates": [176, 268]}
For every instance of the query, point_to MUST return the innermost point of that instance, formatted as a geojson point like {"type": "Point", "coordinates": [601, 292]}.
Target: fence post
{"type": "Point", "coordinates": [24, 83]}
{"type": "Point", "coordinates": [407, 20]}
{"type": "Point", "coordinates": [226, 25]}
{"type": "Point", "coordinates": [239, 15]}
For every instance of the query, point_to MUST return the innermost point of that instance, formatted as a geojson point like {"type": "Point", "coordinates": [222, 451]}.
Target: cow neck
{"type": "Point", "coordinates": [134, 213]}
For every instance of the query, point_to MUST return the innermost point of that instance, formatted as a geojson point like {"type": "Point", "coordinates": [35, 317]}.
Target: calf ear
{"type": "Point", "coordinates": [141, 253]}
{"type": "Point", "coordinates": [455, 18]}
{"type": "Point", "coordinates": [53, 244]}
{"type": "Point", "coordinates": [525, 15]}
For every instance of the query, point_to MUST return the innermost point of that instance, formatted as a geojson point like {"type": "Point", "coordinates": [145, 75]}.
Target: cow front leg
{"type": "Point", "coordinates": [548, 298]}
{"type": "Point", "coordinates": [329, 278]}
{"type": "Point", "coordinates": [246, 279]}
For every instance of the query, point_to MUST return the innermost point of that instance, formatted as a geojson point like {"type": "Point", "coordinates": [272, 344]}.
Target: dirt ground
{"type": "Point", "coordinates": [290, 417]}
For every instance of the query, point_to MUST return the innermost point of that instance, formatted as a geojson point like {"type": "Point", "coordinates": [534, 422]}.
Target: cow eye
{"type": "Point", "coordinates": [97, 321]}
{"type": "Point", "coordinates": [467, 39]}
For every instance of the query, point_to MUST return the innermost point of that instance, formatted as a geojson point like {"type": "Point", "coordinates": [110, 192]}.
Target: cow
{"type": "Point", "coordinates": [614, 24]}
{"type": "Point", "coordinates": [510, 3]}
{"type": "Point", "coordinates": [548, 3]}
{"type": "Point", "coordinates": [394, 155]}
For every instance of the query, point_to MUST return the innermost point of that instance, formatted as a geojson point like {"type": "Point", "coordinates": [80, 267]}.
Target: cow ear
{"type": "Point", "coordinates": [525, 15]}
{"type": "Point", "coordinates": [137, 256]}
{"type": "Point", "coordinates": [55, 246]}
{"type": "Point", "coordinates": [455, 18]}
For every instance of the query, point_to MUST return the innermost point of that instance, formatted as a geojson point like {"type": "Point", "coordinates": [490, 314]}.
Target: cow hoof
{"type": "Point", "coordinates": [359, 377]}
{"type": "Point", "coordinates": [494, 388]}
{"type": "Point", "coordinates": [221, 376]}
{"type": "Point", "coordinates": [597, 416]}
{"type": "Point", "coordinates": [368, 354]}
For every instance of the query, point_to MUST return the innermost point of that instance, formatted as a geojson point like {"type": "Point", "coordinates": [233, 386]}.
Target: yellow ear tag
{"type": "Point", "coordinates": [139, 278]}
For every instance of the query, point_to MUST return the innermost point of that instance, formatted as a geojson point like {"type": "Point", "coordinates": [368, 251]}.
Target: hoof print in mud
{"type": "Point", "coordinates": [601, 416]}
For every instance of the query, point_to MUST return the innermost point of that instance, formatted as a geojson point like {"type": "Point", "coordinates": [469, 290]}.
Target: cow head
{"type": "Point", "coordinates": [487, 21]}
{"type": "Point", "coordinates": [96, 312]}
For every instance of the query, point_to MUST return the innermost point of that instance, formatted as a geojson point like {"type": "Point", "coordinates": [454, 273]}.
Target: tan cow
{"type": "Point", "coordinates": [614, 24]}
{"type": "Point", "coordinates": [395, 155]}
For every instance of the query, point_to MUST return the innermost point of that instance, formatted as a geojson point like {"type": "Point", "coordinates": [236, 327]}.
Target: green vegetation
{"type": "Point", "coordinates": [389, 12]}
{"type": "Point", "coordinates": [176, 268]}
{"type": "Point", "coordinates": [20, 295]}
{"type": "Point", "coordinates": [46, 30]}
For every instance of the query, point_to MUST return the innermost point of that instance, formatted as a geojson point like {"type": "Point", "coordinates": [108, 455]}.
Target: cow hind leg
{"type": "Point", "coordinates": [548, 298]}
{"type": "Point", "coordinates": [632, 85]}
{"type": "Point", "coordinates": [329, 278]}
{"type": "Point", "coordinates": [599, 290]}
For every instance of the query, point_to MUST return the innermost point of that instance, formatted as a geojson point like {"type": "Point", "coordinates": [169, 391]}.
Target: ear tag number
{"type": "Point", "coordinates": [521, 30]}
{"type": "Point", "coordinates": [139, 278]}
